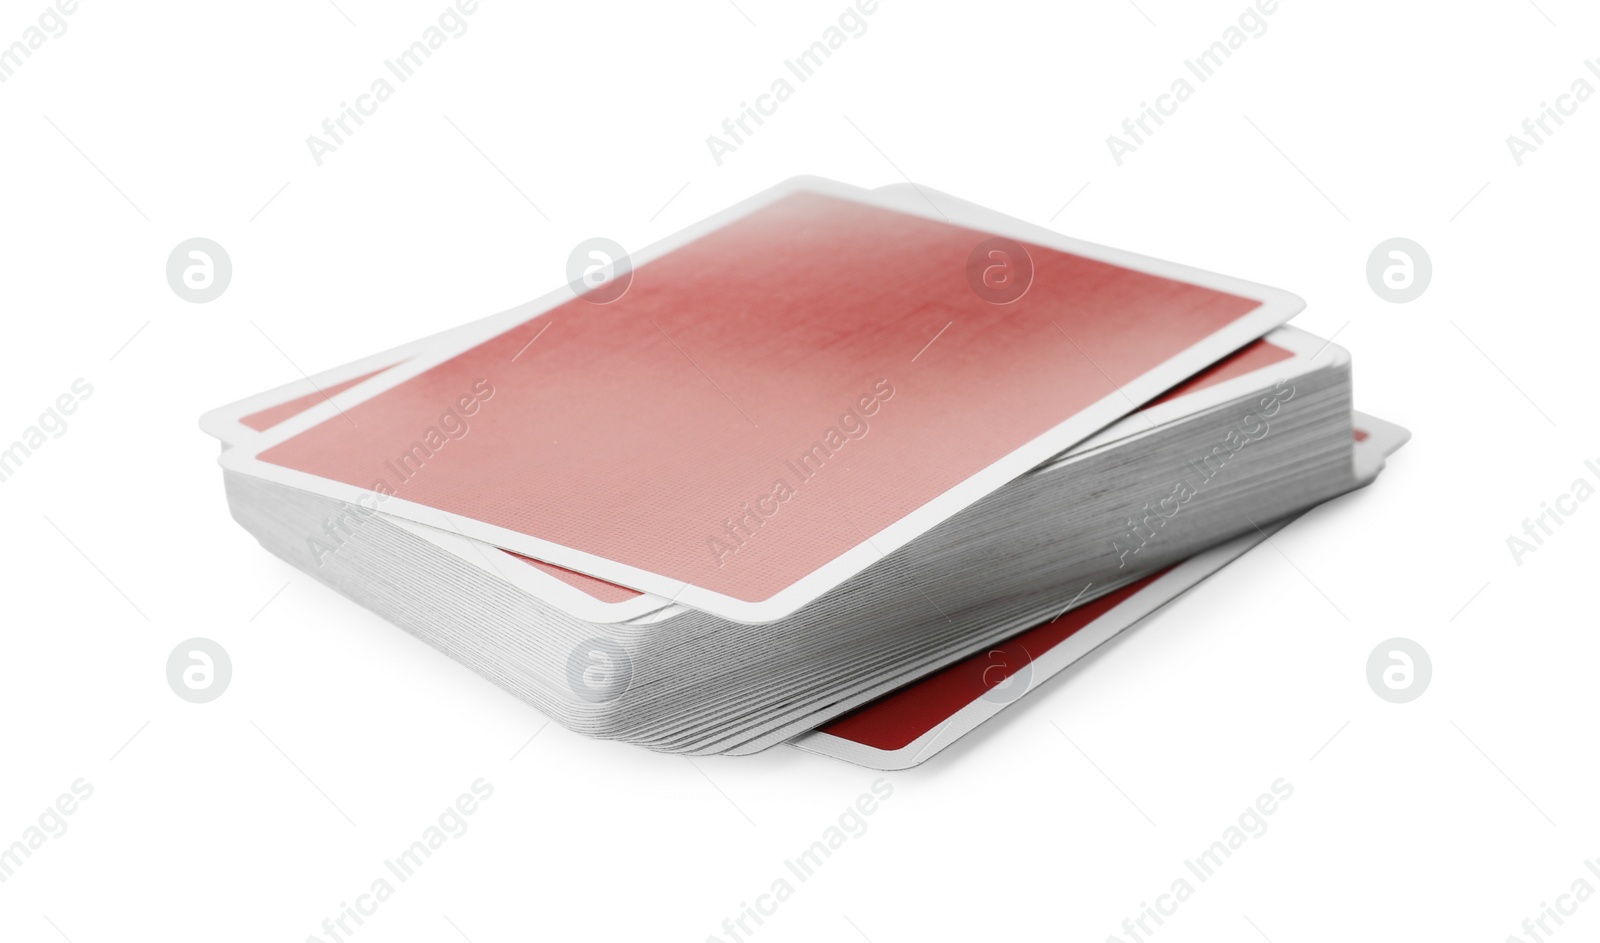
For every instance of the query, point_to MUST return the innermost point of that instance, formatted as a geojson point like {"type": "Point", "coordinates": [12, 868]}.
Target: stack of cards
{"type": "Point", "coordinates": [818, 447]}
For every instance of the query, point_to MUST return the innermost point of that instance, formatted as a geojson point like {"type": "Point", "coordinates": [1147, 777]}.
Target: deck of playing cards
{"type": "Point", "coordinates": [844, 467]}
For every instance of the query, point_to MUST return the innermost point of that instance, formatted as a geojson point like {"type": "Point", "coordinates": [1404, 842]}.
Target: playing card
{"type": "Point", "coordinates": [785, 394]}
{"type": "Point", "coordinates": [595, 600]}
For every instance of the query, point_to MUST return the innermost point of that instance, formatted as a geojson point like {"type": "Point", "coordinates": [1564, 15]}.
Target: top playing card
{"type": "Point", "coordinates": [783, 395]}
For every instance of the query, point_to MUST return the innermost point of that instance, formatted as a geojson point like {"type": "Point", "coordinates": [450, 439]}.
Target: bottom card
{"type": "Point", "coordinates": [906, 727]}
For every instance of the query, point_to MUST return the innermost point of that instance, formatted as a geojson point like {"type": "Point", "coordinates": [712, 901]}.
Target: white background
{"type": "Point", "coordinates": [342, 738]}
